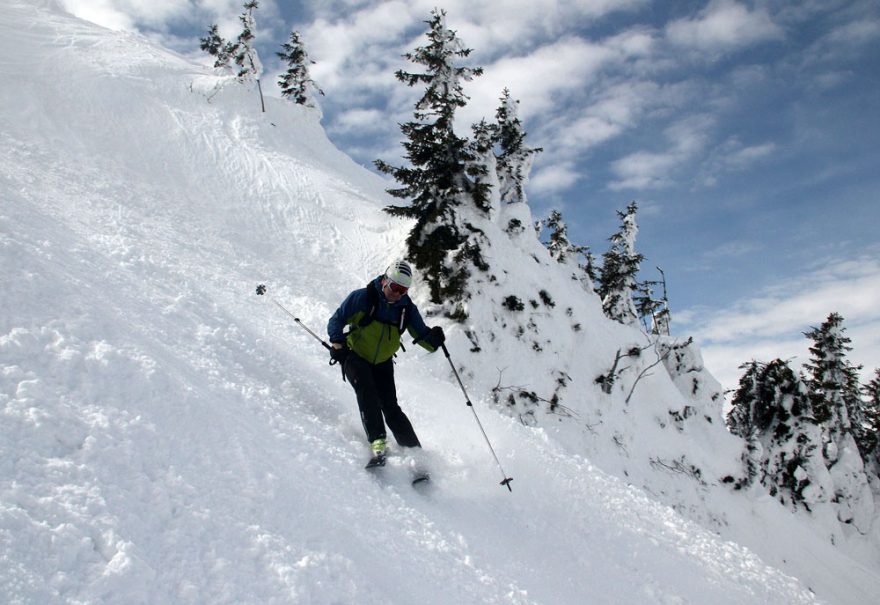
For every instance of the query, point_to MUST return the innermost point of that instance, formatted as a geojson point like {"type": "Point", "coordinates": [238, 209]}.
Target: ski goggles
{"type": "Point", "coordinates": [397, 288]}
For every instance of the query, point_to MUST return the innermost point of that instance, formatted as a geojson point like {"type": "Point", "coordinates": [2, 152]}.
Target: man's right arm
{"type": "Point", "coordinates": [343, 316]}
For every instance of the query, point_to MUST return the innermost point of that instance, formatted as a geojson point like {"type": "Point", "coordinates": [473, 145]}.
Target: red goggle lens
{"type": "Point", "coordinates": [397, 288]}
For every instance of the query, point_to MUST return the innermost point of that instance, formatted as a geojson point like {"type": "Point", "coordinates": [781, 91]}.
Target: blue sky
{"type": "Point", "coordinates": [747, 131]}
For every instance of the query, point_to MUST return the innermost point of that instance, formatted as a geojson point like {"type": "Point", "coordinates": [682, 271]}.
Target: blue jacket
{"type": "Point", "coordinates": [376, 324]}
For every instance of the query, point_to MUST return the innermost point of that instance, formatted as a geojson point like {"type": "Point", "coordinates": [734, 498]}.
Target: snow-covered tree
{"type": "Point", "coordinates": [771, 412]}
{"type": "Point", "coordinates": [837, 408]}
{"type": "Point", "coordinates": [870, 445]}
{"type": "Point", "coordinates": [620, 265]}
{"type": "Point", "coordinates": [743, 414]}
{"type": "Point", "coordinates": [743, 420]}
{"type": "Point", "coordinates": [515, 158]}
{"type": "Point", "coordinates": [245, 55]}
{"type": "Point", "coordinates": [872, 391]}
{"type": "Point", "coordinates": [560, 247]}
{"type": "Point", "coordinates": [295, 83]}
{"type": "Point", "coordinates": [436, 181]}
{"type": "Point", "coordinates": [563, 251]}
{"type": "Point", "coordinates": [241, 52]}
{"type": "Point", "coordinates": [217, 47]}
{"type": "Point", "coordinates": [589, 267]}
{"type": "Point", "coordinates": [652, 309]}
{"type": "Point", "coordinates": [855, 406]}
{"type": "Point", "coordinates": [830, 376]}
{"type": "Point", "coordinates": [481, 167]}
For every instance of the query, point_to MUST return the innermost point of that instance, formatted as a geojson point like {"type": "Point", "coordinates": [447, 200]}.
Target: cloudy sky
{"type": "Point", "coordinates": [748, 131]}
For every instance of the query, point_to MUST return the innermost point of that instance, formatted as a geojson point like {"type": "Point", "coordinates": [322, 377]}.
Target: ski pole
{"type": "Point", "coordinates": [261, 291]}
{"type": "Point", "coordinates": [506, 481]}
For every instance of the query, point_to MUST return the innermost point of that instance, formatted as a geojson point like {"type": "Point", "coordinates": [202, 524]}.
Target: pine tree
{"type": "Point", "coordinates": [560, 247]}
{"type": "Point", "coordinates": [771, 411]}
{"type": "Point", "coordinates": [217, 47]}
{"type": "Point", "coordinates": [647, 306]}
{"type": "Point", "coordinates": [872, 392]}
{"type": "Point", "coordinates": [870, 445]}
{"type": "Point", "coordinates": [832, 383]}
{"type": "Point", "coordinates": [295, 83]}
{"type": "Point", "coordinates": [436, 181]}
{"type": "Point", "coordinates": [794, 472]}
{"type": "Point", "coordinates": [213, 43]}
{"type": "Point", "coordinates": [742, 415]}
{"type": "Point", "coordinates": [515, 158]}
{"type": "Point", "coordinates": [563, 251]}
{"type": "Point", "coordinates": [743, 421]}
{"type": "Point", "coordinates": [589, 268]}
{"type": "Point", "coordinates": [855, 407]}
{"type": "Point", "coordinates": [830, 374]}
{"type": "Point", "coordinates": [245, 55]}
{"type": "Point", "coordinates": [481, 166]}
{"type": "Point", "coordinates": [620, 265]}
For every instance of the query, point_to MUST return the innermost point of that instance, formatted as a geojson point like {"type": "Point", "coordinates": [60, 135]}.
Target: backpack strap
{"type": "Point", "coordinates": [404, 319]}
{"type": "Point", "coordinates": [373, 299]}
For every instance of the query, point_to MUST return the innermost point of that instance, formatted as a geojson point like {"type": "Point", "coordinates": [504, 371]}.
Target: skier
{"type": "Point", "coordinates": [377, 315]}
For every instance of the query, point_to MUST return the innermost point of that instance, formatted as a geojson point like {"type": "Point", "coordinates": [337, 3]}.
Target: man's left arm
{"type": "Point", "coordinates": [429, 338]}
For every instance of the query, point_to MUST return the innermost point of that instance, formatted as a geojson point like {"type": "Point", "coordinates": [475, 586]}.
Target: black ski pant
{"type": "Point", "coordinates": [377, 398]}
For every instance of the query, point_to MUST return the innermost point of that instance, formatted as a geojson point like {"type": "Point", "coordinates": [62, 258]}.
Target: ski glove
{"type": "Point", "coordinates": [436, 337]}
{"type": "Point", "coordinates": [339, 355]}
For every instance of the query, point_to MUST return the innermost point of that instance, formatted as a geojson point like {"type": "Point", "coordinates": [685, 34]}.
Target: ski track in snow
{"type": "Point", "coordinates": [169, 437]}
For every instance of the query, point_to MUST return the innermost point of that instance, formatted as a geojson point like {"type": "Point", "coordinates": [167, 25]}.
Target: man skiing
{"type": "Point", "coordinates": [377, 315]}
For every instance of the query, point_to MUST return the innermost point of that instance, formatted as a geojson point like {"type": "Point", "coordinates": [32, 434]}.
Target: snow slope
{"type": "Point", "coordinates": [169, 437]}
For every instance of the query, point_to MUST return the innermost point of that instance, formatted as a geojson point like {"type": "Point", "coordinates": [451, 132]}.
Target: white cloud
{"type": "Point", "coordinates": [746, 156]}
{"type": "Point", "coordinates": [491, 26]}
{"type": "Point", "coordinates": [644, 169]}
{"type": "Point", "coordinates": [564, 67]}
{"type": "Point", "coordinates": [851, 288]}
{"type": "Point", "coordinates": [733, 156]}
{"type": "Point", "coordinates": [552, 178]}
{"type": "Point", "coordinates": [734, 249]}
{"type": "Point", "coordinates": [103, 12]}
{"type": "Point", "coordinates": [360, 120]}
{"type": "Point", "coordinates": [510, 26]}
{"type": "Point", "coordinates": [771, 323]}
{"type": "Point", "coordinates": [359, 49]}
{"type": "Point", "coordinates": [162, 15]}
{"type": "Point", "coordinates": [588, 131]}
{"type": "Point", "coordinates": [724, 25]}
{"type": "Point", "coordinates": [616, 109]}
{"type": "Point", "coordinates": [358, 54]}
{"type": "Point", "coordinates": [844, 42]}
{"type": "Point", "coordinates": [351, 51]}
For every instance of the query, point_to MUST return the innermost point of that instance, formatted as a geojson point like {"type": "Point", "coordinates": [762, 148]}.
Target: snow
{"type": "Point", "coordinates": [167, 436]}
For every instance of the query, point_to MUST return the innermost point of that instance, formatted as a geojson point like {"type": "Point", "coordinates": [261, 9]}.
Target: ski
{"type": "Point", "coordinates": [376, 461]}
{"type": "Point", "coordinates": [418, 478]}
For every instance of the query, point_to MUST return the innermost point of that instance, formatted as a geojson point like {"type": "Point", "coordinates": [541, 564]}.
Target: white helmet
{"type": "Point", "coordinates": [400, 273]}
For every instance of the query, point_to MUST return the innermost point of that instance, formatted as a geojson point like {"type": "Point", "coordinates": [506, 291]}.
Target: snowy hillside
{"type": "Point", "coordinates": [166, 436]}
